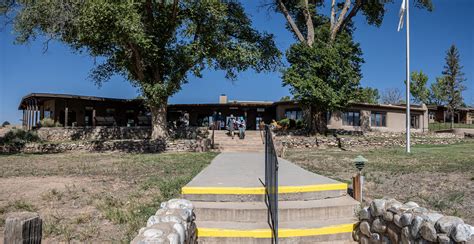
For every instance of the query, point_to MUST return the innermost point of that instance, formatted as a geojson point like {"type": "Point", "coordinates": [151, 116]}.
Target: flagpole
{"type": "Point", "coordinates": [408, 117]}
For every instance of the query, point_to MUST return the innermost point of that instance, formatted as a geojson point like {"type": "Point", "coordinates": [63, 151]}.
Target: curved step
{"type": "Point", "coordinates": [332, 208]}
{"type": "Point", "coordinates": [329, 231]}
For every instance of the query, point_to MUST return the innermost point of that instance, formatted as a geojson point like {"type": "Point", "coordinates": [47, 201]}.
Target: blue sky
{"type": "Point", "coordinates": [25, 68]}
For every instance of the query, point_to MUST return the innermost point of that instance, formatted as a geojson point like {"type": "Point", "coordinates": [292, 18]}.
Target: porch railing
{"type": "Point", "coordinates": [271, 184]}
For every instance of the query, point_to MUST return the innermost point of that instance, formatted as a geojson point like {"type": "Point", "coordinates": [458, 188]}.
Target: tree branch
{"type": "Point", "coordinates": [340, 19]}
{"type": "Point", "coordinates": [333, 14]}
{"type": "Point", "coordinates": [352, 13]}
{"type": "Point", "coordinates": [309, 24]}
{"type": "Point", "coordinates": [291, 22]}
{"type": "Point", "coordinates": [137, 66]}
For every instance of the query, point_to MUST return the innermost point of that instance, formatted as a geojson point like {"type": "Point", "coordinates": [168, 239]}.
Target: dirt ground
{"type": "Point", "coordinates": [93, 197]}
{"type": "Point", "coordinates": [439, 177]}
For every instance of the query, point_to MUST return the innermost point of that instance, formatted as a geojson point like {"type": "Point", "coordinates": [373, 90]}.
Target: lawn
{"type": "Point", "coordinates": [446, 126]}
{"type": "Point", "coordinates": [98, 197]}
{"type": "Point", "coordinates": [440, 177]}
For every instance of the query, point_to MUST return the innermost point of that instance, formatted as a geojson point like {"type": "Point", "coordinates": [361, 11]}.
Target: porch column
{"type": "Point", "coordinates": [37, 113]}
{"type": "Point", "coordinates": [23, 120]}
{"type": "Point", "coordinates": [41, 112]}
{"type": "Point", "coordinates": [66, 111]}
{"type": "Point", "coordinates": [93, 117]}
{"type": "Point", "coordinates": [28, 124]}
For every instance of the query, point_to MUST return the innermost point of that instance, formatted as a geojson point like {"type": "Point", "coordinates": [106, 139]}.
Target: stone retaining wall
{"type": "Point", "coordinates": [390, 221]}
{"type": "Point", "coordinates": [114, 133]}
{"type": "Point", "coordinates": [173, 223]}
{"type": "Point", "coordinates": [133, 146]}
{"type": "Point", "coordinates": [365, 141]}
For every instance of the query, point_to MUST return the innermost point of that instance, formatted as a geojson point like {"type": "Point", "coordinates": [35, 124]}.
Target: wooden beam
{"type": "Point", "coordinates": [23, 228]}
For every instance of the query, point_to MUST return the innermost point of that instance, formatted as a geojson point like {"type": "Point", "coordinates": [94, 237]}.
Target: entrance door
{"type": "Point", "coordinates": [88, 118]}
{"type": "Point", "coordinates": [258, 120]}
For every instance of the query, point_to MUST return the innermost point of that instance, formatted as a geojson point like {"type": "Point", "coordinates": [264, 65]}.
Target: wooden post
{"type": "Point", "coordinates": [23, 228]}
{"type": "Point", "coordinates": [357, 186]}
{"type": "Point", "coordinates": [93, 117]}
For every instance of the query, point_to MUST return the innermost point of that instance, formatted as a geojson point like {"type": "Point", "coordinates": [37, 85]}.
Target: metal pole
{"type": "Point", "coordinates": [408, 122]}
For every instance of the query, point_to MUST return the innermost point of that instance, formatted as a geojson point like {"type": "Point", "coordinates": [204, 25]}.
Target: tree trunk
{"type": "Point", "coordinates": [158, 120]}
{"type": "Point", "coordinates": [452, 118]}
{"type": "Point", "coordinates": [315, 120]}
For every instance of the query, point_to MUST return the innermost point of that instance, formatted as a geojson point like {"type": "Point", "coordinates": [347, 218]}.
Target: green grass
{"type": "Point", "coordinates": [447, 125]}
{"type": "Point", "coordinates": [437, 176]}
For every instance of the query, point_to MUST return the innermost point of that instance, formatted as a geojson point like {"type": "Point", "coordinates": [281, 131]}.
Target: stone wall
{"type": "Point", "coordinates": [390, 221]}
{"type": "Point", "coordinates": [132, 146]}
{"type": "Point", "coordinates": [55, 134]}
{"type": "Point", "coordinates": [173, 223]}
{"type": "Point", "coordinates": [363, 141]}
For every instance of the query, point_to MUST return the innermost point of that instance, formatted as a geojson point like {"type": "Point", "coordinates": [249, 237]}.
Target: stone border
{"type": "Point", "coordinates": [390, 221]}
{"type": "Point", "coordinates": [173, 223]}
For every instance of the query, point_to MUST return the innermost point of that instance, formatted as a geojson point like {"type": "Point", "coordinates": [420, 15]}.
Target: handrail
{"type": "Point", "coordinates": [271, 183]}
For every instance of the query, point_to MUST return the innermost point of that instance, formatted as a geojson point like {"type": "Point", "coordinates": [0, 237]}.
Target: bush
{"type": "Point", "coordinates": [48, 122]}
{"type": "Point", "coordinates": [285, 123]}
{"type": "Point", "coordinates": [5, 123]}
{"type": "Point", "coordinates": [299, 124]}
{"type": "Point", "coordinates": [18, 137]}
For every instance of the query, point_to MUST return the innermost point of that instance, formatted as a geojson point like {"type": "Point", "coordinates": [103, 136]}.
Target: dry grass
{"type": "Point", "coordinates": [439, 177]}
{"type": "Point", "coordinates": [93, 197]}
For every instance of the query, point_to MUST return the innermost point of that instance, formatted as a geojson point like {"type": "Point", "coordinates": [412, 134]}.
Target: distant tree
{"type": "Point", "coordinates": [453, 81]}
{"type": "Point", "coordinates": [285, 99]}
{"type": "Point", "coordinates": [5, 123]}
{"type": "Point", "coordinates": [437, 92]}
{"type": "Point", "coordinates": [156, 45]}
{"type": "Point", "coordinates": [367, 95]}
{"type": "Point", "coordinates": [391, 96]}
{"type": "Point", "coordinates": [418, 88]}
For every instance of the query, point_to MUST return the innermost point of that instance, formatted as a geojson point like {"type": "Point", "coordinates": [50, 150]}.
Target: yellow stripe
{"type": "Point", "coordinates": [266, 233]}
{"type": "Point", "coordinates": [261, 190]}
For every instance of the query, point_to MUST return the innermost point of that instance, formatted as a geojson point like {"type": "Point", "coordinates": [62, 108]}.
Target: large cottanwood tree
{"type": "Point", "coordinates": [325, 62]}
{"type": "Point", "coordinates": [156, 44]}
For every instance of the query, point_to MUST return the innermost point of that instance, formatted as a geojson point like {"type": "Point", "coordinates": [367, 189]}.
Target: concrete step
{"type": "Point", "coordinates": [320, 231]}
{"type": "Point", "coordinates": [325, 209]}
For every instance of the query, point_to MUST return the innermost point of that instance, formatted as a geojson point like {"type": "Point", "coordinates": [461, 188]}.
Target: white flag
{"type": "Point", "coordinates": [401, 14]}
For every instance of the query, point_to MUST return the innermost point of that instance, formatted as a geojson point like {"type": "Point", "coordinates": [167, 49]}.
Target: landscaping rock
{"type": "Point", "coordinates": [388, 216]}
{"type": "Point", "coordinates": [396, 220]}
{"type": "Point", "coordinates": [415, 226]}
{"type": "Point", "coordinates": [364, 240]}
{"type": "Point", "coordinates": [432, 217]}
{"type": "Point", "coordinates": [428, 231]}
{"type": "Point", "coordinates": [377, 207]}
{"type": "Point", "coordinates": [392, 235]}
{"type": "Point", "coordinates": [405, 219]}
{"type": "Point", "coordinates": [447, 223]}
{"type": "Point", "coordinates": [444, 239]}
{"type": "Point", "coordinates": [461, 233]}
{"type": "Point", "coordinates": [365, 228]}
{"type": "Point", "coordinates": [378, 226]}
{"type": "Point", "coordinates": [405, 236]}
{"type": "Point", "coordinates": [364, 214]}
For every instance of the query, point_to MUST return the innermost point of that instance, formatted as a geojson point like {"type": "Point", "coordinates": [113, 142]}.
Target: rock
{"type": "Point", "coordinates": [415, 226]}
{"type": "Point", "coordinates": [432, 217]}
{"type": "Point", "coordinates": [388, 216]}
{"type": "Point", "coordinates": [355, 235]}
{"type": "Point", "coordinates": [377, 207]}
{"type": "Point", "coordinates": [375, 237]}
{"type": "Point", "coordinates": [364, 214]}
{"type": "Point", "coordinates": [428, 231]}
{"type": "Point", "coordinates": [447, 223]}
{"type": "Point", "coordinates": [393, 205]}
{"type": "Point", "coordinates": [406, 219]}
{"type": "Point", "coordinates": [419, 210]}
{"type": "Point", "coordinates": [412, 204]}
{"type": "Point", "coordinates": [378, 226]}
{"type": "Point", "coordinates": [405, 236]}
{"type": "Point", "coordinates": [444, 239]}
{"type": "Point", "coordinates": [461, 233]}
{"type": "Point", "coordinates": [396, 220]}
{"type": "Point", "coordinates": [392, 235]}
{"type": "Point", "coordinates": [364, 240]}
{"type": "Point", "coordinates": [364, 228]}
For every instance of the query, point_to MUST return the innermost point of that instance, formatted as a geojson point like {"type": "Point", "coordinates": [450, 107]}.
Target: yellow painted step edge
{"type": "Point", "coordinates": [282, 233]}
{"type": "Point", "coordinates": [261, 190]}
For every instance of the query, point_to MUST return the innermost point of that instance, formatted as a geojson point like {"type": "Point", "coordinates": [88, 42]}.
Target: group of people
{"type": "Point", "coordinates": [233, 124]}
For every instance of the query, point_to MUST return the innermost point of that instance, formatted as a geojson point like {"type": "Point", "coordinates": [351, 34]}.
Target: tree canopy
{"type": "Point", "coordinates": [367, 95]}
{"type": "Point", "coordinates": [154, 44]}
{"type": "Point", "coordinates": [418, 88]}
{"type": "Point", "coordinates": [392, 96]}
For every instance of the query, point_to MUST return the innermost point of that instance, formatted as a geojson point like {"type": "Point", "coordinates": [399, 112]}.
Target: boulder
{"type": "Point", "coordinates": [364, 228]}
{"type": "Point", "coordinates": [392, 235]}
{"type": "Point", "coordinates": [461, 233]}
{"type": "Point", "coordinates": [415, 226]}
{"type": "Point", "coordinates": [378, 226]}
{"type": "Point", "coordinates": [405, 236]}
{"type": "Point", "coordinates": [396, 220]}
{"type": "Point", "coordinates": [406, 219]}
{"type": "Point", "coordinates": [377, 207]}
{"type": "Point", "coordinates": [388, 216]}
{"type": "Point", "coordinates": [364, 214]}
{"type": "Point", "coordinates": [428, 232]}
{"type": "Point", "coordinates": [444, 239]}
{"type": "Point", "coordinates": [447, 223]}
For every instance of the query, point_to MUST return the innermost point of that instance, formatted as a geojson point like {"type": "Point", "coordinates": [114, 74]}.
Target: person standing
{"type": "Point", "coordinates": [242, 127]}
{"type": "Point", "coordinates": [231, 125]}
{"type": "Point", "coordinates": [220, 123]}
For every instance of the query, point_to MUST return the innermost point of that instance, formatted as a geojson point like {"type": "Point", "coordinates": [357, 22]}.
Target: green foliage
{"type": "Point", "coordinates": [285, 99]}
{"type": "Point", "coordinates": [418, 88]}
{"type": "Point", "coordinates": [452, 82]}
{"type": "Point", "coordinates": [5, 123]}
{"type": "Point", "coordinates": [48, 122]}
{"type": "Point", "coordinates": [437, 93]}
{"type": "Point", "coordinates": [155, 44]}
{"type": "Point", "coordinates": [18, 137]}
{"type": "Point", "coordinates": [326, 74]}
{"type": "Point", "coordinates": [367, 95]}
{"type": "Point", "coordinates": [285, 123]}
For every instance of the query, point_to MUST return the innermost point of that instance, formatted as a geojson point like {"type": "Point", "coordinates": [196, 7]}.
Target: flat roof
{"type": "Point", "coordinates": [70, 96]}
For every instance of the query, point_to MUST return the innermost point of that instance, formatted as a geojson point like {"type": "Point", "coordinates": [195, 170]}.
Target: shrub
{"type": "Point", "coordinates": [292, 124]}
{"type": "Point", "coordinates": [5, 123]}
{"type": "Point", "coordinates": [285, 123]}
{"type": "Point", "coordinates": [48, 122]}
{"type": "Point", "coordinates": [299, 124]}
{"type": "Point", "coordinates": [18, 137]}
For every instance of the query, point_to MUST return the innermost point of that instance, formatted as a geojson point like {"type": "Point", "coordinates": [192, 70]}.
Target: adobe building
{"type": "Point", "coordinates": [74, 110]}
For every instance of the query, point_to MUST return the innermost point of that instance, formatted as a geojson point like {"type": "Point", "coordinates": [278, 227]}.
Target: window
{"type": "Point", "coordinates": [351, 118]}
{"type": "Point", "coordinates": [415, 121]}
{"type": "Point", "coordinates": [378, 119]}
{"type": "Point", "coordinates": [432, 115]}
{"type": "Point", "coordinates": [110, 111]}
{"type": "Point", "coordinates": [328, 117]}
{"type": "Point", "coordinates": [294, 114]}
